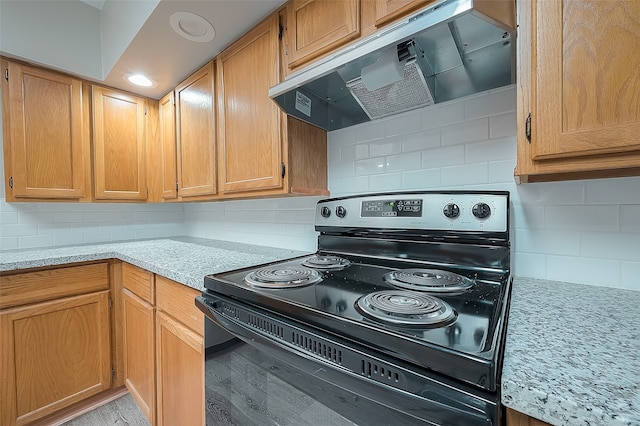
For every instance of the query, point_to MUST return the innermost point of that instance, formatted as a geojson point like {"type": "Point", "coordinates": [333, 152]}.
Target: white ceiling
{"type": "Point", "coordinates": [113, 38]}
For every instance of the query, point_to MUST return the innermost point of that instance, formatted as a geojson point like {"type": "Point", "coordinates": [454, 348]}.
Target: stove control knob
{"type": "Point", "coordinates": [481, 210]}
{"type": "Point", "coordinates": [451, 210]}
{"type": "Point", "coordinates": [341, 211]}
{"type": "Point", "coordinates": [325, 211]}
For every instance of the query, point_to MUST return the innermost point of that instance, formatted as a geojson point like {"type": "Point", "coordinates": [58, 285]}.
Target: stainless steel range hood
{"type": "Point", "coordinates": [452, 49]}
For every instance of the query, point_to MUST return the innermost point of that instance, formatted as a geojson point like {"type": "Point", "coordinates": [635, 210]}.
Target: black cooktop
{"type": "Point", "coordinates": [331, 304]}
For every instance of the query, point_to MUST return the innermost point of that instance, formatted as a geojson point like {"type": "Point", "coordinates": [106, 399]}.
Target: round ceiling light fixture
{"type": "Point", "coordinates": [192, 27]}
{"type": "Point", "coordinates": [139, 80]}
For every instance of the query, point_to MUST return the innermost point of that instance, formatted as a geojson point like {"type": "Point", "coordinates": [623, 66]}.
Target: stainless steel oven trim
{"type": "Point", "coordinates": [426, 397]}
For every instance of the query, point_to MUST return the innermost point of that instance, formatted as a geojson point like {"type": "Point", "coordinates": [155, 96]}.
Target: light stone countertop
{"type": "Point", "coordinates": [183, 259]}
{"type": "Point", "coordinates": [572, 354]}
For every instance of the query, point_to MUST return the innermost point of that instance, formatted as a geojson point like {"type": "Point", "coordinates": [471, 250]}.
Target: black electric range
{"type": "Point", "coordinates": [404, 303]}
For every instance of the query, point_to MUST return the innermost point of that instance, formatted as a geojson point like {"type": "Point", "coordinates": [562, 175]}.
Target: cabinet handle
{"type": "Point", "coordinates": [283, 169]}
{"type": "Point", "coordinates": [527, 128]}
{"type": "Point", "coordinates": [11, 182]}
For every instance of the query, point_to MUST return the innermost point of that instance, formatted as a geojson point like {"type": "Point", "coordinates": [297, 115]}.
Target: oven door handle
{"type": "Point", "coordinates": [430, 405]}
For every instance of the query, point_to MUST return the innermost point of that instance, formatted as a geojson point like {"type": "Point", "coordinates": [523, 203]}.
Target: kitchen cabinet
{"type": "Point", "coordinates": [180, 355]}
{"type": "Point", "coordinates": [119, 164]}
{"type": "Point", "coordinates": [46, 151]}
{"type": "Point", "coordinates": [579, 90]}
{"type": "Point", "coordinates": [387, 11]}
{"type": "Point", "coordinates": [167, 135]}
{"type": "Point", "coordinates": [319, 26]}
{"type": "Point", "coordinates": [55, 338]}
{"type": "Point", "coordinates": [515, 418]}
{"type": "Point", "coordinates": [261, 151]}
{"type": "Point", "coordinates": [196, 134]}
{"type": "Point", "coordinates": [138, 325]}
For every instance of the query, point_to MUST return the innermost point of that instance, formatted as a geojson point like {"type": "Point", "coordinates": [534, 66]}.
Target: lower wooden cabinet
{"type": "Point", "coordinates": [163, 334]}
{"type": "Point", "coordinates": [515, 418]}
{"type": "Point", "coordinates": [138, 325]}
{"type": "Point", "coordinates": [54, 354]}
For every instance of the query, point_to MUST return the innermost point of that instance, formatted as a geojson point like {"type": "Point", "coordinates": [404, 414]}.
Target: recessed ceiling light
{"type": "Point", "coordinates": [139, 80]}
{"type": "Point", "coordinates": [192, 27]}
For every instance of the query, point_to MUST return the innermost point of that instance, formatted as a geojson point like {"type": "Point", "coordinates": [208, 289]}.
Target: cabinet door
{"type": "Point", "coordinates": [250, 153]}
{"type": "Point", "coordinates": [180, 373]}
{"type": "Point", "coordinates": [588, 84]}
{"type": "Point", "coordinates": [389, 10]}
{"type": "Point", "coordinates": [515, 418]}
{"type": "Point", "coordinates": [53, 354]}
{"type": "Point", "coordinates": [139, 352]}
{"type": "Point", "coordinates": [168, 146]}
{"type": "Point", "coordinates": [44, 148]}
{"type": "Point", "coordinates": [196, 134]}
{"type": "Point", "coordinates": [119, 147]}
{"type": "Point", "coordinates": [317, 26]}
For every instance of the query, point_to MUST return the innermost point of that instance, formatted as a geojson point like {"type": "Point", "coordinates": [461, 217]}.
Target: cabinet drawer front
{"type": "Point", "coordinates": [139, 281]}
{"type": "Point", "coordinates": [38, 286]}
{"type": "Point", "coordinates": [178, 301]}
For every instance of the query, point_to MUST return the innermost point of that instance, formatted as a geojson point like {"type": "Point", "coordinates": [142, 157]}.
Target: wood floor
{"type": "Point", "coordinates": [119, 412]}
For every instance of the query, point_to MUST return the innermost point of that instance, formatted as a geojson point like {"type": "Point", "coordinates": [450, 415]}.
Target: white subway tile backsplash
{"type": "Point", "coordinates": [370, 132]}
{"type": "Point", "coordinates": [497, 149]}
{"type": "Point", "coordinates": [370, 166]}
{"type": "Point", "coordinates": [352, 153]}
{"type": "Point", "coordinates": [502, 125]}
{"type": "Point", "coordinates": [7, 218]}
{"type": "Point", "coordinates": [493, 103]}
{"type": "Point", "coordinates": [611, 245]}
{"type": "Point", "coordinates": [468, 174]}
{"type": "Point", "coordinates": [501, 171]}
{"type": "Point", "coordinates": [587, 217]}
{"type": "Point", "coordinates": [544, 241]}
{"type": "Point", "coordinates": [403, 162]}
{"type": "Point", "coordinates": [9, 243]}
{"type": "Point", "coordinates": [440, 115]}
{"type": "Point", "coordinates": [630, 271]}
{"type": "Point", "coordinates": [442, 157]}
{"type": "Point", "coordinates": [584, 270]}
{"type": "Point", "coordinates": [385, 147]}
{"type": "Point", "coordinates": [530, 265]}
{"type": "Point", "coordinates": [571, 192]}
{"type": "Point", "coordinates": [470, 131]}
{"type": "Point", "coordinates": [385, 182]}
{"type": "Point", "coordinates": [421, 179]}
{"type": "Point", "coordinates": [630, 218]}
{"type": "Point", "coordinates": [421, 140]}
{"type": "Point", "coordinates": [402, 124]}
{"type": "Point", "coordinates": [33, 241]}
{"type": "Point", "coordinates": [343, 169]}
{"type": "Point", "coordinates": [613, 191]}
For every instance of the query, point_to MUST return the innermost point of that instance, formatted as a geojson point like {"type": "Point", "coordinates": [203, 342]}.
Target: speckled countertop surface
{"type": "Point", "coordinates": [185, 260]}
{"type": "Point", "coordinates": [572, 354]}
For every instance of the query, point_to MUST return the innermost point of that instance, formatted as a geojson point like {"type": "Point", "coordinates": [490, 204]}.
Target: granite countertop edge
{"type": "Point", "coordinates": [186, 260]}
{"type": "Point", "coordinates": [571, 353]}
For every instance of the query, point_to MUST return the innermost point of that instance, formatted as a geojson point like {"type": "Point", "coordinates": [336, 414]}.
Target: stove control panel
{"type": "Point", "coordinates": [454, 211]}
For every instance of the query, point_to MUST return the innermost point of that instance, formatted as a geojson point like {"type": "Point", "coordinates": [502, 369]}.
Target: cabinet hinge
{"type": "Point", "coordinates": [527, 128]}
{"type": "Point", "coordinates": [176, 186]}
{"type": "Point", "coordinates": [6, 74]}
{"type": "Point", "coordinates": [11, 182]}
{"type": "Point", "coordinates": [283, 169]}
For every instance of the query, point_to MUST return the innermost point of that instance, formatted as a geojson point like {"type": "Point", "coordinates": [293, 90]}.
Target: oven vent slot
{"type": "Point", "coordinates": [317, 347]}
{"type": "Point", "coordinates": [230, 310]}
{"type": "Point", "coordinates": [266, 326]}
{"type": "Point", "coordinates": [383, 374]}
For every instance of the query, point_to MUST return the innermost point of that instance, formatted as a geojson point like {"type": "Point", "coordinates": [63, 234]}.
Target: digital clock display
{"type": "Point", "coordinates": [392, 208]}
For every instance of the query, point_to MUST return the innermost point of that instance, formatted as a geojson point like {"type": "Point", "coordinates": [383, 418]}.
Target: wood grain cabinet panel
{"type": "Point", "coordinates": [390, 10]}
{"type": "Point", "coordinates": [319, 26]}
{"type": "Point", "coordinates": [53, 354]}
{"type": "Point", "coordinates": [196, 134]}
{"type": "Point", "coordinates": [167, 117]}
{"type": "Point", "coordinates": [45, 151]}
{"type": "Point", "coordinates": [261, 150]}
{"type": "Point", "coordinates": [119, 145]}
{"type": "Point", "coordinates": [515, 418]}
{"type": "Point", "coordinates": [179, 354]}
{"type": "Point", "coordinates": [578, 63]}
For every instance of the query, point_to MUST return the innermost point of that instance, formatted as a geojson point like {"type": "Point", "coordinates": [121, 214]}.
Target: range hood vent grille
{"type": "Point", "coordinates": [452, 49]}
{"type": "Point", "coordinates": [403, 95]}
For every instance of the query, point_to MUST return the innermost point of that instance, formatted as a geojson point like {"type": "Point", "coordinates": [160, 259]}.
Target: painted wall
{"type": "Point", "coordinates": [579, 231]}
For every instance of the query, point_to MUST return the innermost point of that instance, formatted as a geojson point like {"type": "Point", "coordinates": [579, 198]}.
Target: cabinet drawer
{"type": "Point", "coordinates": [138, 281]}
{"type": "Point", "coordinates": [48, 284]}
{"type": "Point", "coordinates": [178, 301]}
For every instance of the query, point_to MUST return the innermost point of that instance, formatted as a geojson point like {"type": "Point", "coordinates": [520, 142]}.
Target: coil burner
{"type": "Point", "coordinates": [407, 308]}
{"type": "Point", "coordinates": [279, 276]}
{"type": "Point", "coordinates": [326, 263]}
{"type": "Point", "coordinates": [430, 280]}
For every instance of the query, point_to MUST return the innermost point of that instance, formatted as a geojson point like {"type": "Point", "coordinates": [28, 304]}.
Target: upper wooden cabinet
{"type": "Point", "coordinates": [261, 150]}
{"type": "Point", "coordinates": [167, 135]}
{"type": "Point", "coordinates": [45, 151]}
{"type": "Point", "coordinates": [119, 165]}
{"type": "Point", "coordinates": [196, 140]}
{"type": "Point", "coordinates": [387, 11]}
{"type": "Point", "coordinates": [319, 26]}
{"type": "Point", "coordinates": [579, 81]}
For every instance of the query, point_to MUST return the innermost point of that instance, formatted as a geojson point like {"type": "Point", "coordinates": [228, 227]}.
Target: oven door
{"type": "Point", "coordinates": [392, 389]}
